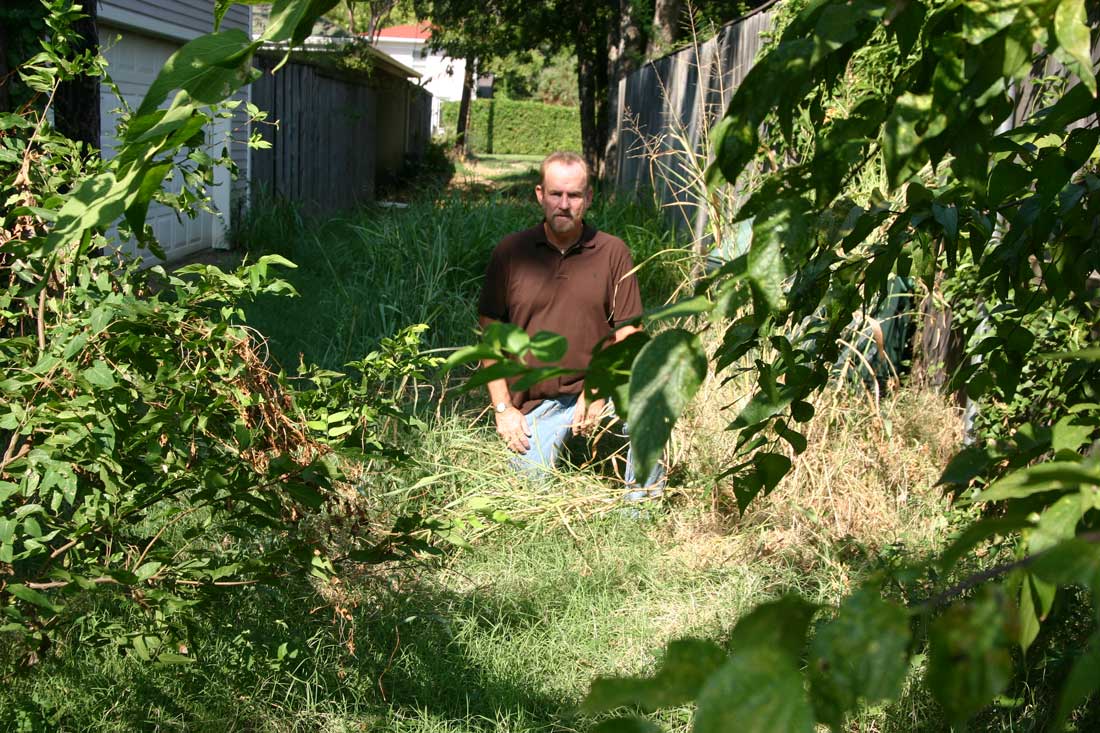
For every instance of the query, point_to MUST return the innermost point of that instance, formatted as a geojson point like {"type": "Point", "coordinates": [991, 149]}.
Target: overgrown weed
{"type": "Point", "coordinates": [865, 483]}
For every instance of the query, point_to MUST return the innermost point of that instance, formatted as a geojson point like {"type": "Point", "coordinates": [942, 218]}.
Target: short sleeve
{"type": "Point", "coordinates": [626, 298]}
{"type": "Point", "coordinates": [494, 291]}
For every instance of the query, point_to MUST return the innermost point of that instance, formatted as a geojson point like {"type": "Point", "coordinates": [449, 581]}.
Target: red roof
{"type": "Point", "coordinates": [423, 31]}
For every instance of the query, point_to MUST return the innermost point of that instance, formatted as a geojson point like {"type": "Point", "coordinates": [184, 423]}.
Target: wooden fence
{"type": "Point", "coordinates": [338, 132]}
{"type": "Point", "coordinates": [662, 111]}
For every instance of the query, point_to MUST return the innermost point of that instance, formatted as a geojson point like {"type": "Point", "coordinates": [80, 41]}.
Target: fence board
{"type": "Point", "coordinates": [322, 153]}
{"type": "Point", "coordinates": [664, 109]}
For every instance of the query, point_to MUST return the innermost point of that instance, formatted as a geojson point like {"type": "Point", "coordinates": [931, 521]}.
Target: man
{"type": "Point", "coordinates": [562, 276]}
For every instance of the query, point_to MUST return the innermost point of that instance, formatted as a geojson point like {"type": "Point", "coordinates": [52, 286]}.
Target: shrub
{"type": "Point", "coordinates": [514, 127]}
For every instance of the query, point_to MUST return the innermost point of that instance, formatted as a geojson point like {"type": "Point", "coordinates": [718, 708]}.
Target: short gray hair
{"type": "Point", "coordinates": [566, 157]}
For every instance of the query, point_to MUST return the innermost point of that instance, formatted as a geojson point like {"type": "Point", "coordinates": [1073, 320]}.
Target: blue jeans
{"type": "Point", "coordinates": [550, 425]}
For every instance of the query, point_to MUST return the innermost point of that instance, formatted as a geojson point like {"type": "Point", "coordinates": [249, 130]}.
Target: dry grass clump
{"type": "Point", "coordinates": [865, 482]}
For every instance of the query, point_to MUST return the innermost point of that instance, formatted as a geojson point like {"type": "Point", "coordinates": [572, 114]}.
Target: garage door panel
{"type": "Point", "coordinates": [134, 60]}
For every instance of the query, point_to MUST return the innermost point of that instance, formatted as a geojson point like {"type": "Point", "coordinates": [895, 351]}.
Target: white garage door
{"type": "Point", "coordinates": [134, 62]}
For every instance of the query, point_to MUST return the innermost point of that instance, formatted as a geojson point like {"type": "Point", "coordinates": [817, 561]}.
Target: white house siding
{"type": "Point", "coordinates": [137, 37]}
{"type": "Point", "coordinates": [439, 74]}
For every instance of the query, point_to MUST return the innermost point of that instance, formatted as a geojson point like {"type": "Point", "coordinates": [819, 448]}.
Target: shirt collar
{"type": "Point", "coordinates": [587, 240]}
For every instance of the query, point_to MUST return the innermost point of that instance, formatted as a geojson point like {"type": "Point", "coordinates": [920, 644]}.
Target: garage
{"type": "Point", "coordinates": [137, 38]}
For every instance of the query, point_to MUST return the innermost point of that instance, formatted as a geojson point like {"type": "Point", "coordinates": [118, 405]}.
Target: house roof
{"type": "Point", "coordinates": [416, 31]}
{"type": "Point", "coordinates": [322, 28]}
{"type": "Point", "coordinates": [317, 47]}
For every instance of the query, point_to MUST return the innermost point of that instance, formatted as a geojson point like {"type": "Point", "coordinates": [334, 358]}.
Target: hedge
{"type": "Point", "coordinates": [509, 126]}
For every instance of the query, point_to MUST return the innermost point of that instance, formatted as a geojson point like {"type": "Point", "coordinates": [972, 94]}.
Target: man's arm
{"type": "Point", "coordinates": [586, 416]}
{"type": "Point", "coordinates": [622, 332]}
{"type": "Point", "coordinates": [511, 424]}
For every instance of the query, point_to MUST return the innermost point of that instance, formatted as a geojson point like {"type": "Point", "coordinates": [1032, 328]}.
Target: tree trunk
{"type": "Point", "coordinates": [939, 348]}
{"type": "Point", "coordinates": [666, 26]}
{"type": "Point", "coordinates": [627, 49]}
{"type": "Point", "coordinates": [464, 107]}
{"type": "Point", "coordinates": [602, 103]}
{"type": "Point", "coordinates": [586, 89]}
{"type": "Point", "coordinates": [351, 16]}
{"type": "Point", "coordinates": [76, 106]}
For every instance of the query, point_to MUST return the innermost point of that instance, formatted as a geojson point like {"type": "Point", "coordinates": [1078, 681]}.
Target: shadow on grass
{"type": "Point", "coordinates": [268, 658]}
{"type": "Point", "coordinates": [420, 663]}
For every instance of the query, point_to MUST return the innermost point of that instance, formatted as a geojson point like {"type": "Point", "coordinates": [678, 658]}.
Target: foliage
{"type": "Point", "coordinates": [546, 77]}
{"type": "Point", "coordinates": [368, 17]}
{"type": "Point", "coordinates": [491, 640]}
{"type": "Point", "coordinates": [1018, 206]}
{"type": "Point", "coordinates": [149, 454]}
{"type": "Point", "coordinates": [516, 127]}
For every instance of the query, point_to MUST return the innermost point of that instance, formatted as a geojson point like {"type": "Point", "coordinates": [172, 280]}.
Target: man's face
{"type": "Point", "coordinates": [564, 196]}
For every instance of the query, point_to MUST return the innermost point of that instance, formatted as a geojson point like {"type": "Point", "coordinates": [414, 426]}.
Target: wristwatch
{"type": "Point", "coordinates": [500, 406]}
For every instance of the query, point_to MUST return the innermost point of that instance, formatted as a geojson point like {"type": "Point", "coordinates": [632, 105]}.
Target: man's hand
{"type": "Point", "coordinates": [586, 417]}
{"type": "Point", "coordinates": [513, 430]}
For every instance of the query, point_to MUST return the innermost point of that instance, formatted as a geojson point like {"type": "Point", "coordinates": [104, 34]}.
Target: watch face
{"type": "Point", "coordinates": [501, 406]}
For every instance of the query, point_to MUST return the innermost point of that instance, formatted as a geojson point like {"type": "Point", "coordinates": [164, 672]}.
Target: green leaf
{"type": "Point", "coordinates": [608, 374]}
{"type": "Point", "coordinates": [1007, 180]}
{"type": "Point", "coordinates": [74, 347]}
{"type": "Point", "coordinates": [150, 183]}
{"type": "Point", "coordinates": [966, 465]}
{"type": "Point", "coordinates": [680, 309]}
{"type": "Point", "coordinates": [1031, 615]}
{"type": "Point", "coordinates": [1083, 680]}
{"type": "Point", "coordinates": [780, 624]}
{"type": "Point", "coordinates": [1069, 436]}
{"type": "Point", "coordinates": [970, 657]}
{"type": "Point", "coordinates": [902, 146]}
{"type": "Point", "coordinates": [686, 666]}
{"type": "Point", "coordinates": [978, 532]}
{"type": "Point", "coordinates": [97, 202]}
{"type": "Point", "coordinates": [209, 68]}
{"type": "Point", "coordinates": [758, 689]}
{"type": "Point", "coordinates": [1058, 521]}
{"type": "Point", "coordinates": [100, 375]}
{"type": "Point", "coordinates": [531, 377]}
{"type": "Point", "coordinates": [795, 439]}
{"type": "Point", "coordinates": [779, 229]}
{"type": "Point", "coordinates": [291, 21]}
{"type": "Point", "coordinates": [1073, 562]}
{"type": "Point", "coordinates": [548, 347]}
{"type": "Point", "coordinates": [770, 468]}
{"type": "Point", "coordinates": [305, 494]}
{"type": "Point", "coordinates": [666, 375]}
{"type": "Point", "coordinates": [1072, 31]}
{"type": "Point", "coordinates": [171, 658]}
{"type": "Point", "coordinates": [1083, 354]}
{"type": "Point", "coordinates": [801, 411]}
{"type": "Point", "coordinates": [860, 654]}
{"type": "Point", "coordinates": [1040, 478]}
{"type": "Point", "coordinates": [32, 596]}
{"type": "Point", "coordinates": [948, 218]}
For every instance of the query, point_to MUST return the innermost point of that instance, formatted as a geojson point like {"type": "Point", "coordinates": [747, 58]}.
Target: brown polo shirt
{"type": "Point", "coordinates": [583, 294]}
